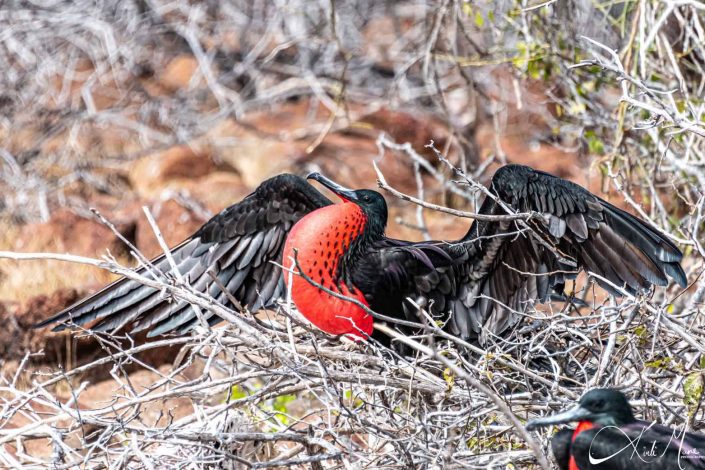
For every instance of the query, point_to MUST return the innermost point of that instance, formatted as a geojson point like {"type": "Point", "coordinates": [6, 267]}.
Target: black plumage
{"type": "Point", "coordinates": [560, 446]}
{"type": "Point", "coordinates": [610, 438]}
{"type": "Point", "coordinates": [478, 286]}
{"type": "Point", "coordinates": [236, 245]}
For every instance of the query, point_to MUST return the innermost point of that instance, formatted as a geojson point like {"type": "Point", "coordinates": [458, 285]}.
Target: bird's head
{"type": "Point", "coordinates": [371, 202]}
{"type": "Point", "coordinates": [602, 406]}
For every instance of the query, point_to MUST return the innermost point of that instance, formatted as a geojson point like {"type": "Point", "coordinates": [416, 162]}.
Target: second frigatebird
{"type": "Point", "coordinates": [477, 286]}
{"type": "Point", "coordinates": [608, 437]}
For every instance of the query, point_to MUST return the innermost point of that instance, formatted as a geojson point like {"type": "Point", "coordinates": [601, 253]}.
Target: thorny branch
{"type": "Point", "coordinates": [270, 391]}
{"type": "Point", "coordinates": [461, 387]}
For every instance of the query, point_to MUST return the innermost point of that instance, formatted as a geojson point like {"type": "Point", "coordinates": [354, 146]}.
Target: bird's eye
{"type": "Point", "coordinates": [366, 198]}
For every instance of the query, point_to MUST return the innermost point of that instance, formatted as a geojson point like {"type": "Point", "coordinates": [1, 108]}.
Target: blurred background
{"type": "Point", "coordinates": [186, 106]}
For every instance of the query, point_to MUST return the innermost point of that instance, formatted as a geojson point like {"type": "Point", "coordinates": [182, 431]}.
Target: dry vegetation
{"type": "Point", "coordinates": [185, 106]}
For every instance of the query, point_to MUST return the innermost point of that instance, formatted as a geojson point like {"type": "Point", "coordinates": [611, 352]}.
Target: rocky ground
{"type": "Point", "coordinates": [182, 186]}
{"type": "Point", "coordinates": [155, 133]}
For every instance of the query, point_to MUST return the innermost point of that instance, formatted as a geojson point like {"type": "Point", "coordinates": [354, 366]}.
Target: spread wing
{"type": "Point", "coordinates": [236, 245]}
{"type": "Point", "coordinates": [482, 284]}
{"type": "Point", "coordinates": [578, 231]}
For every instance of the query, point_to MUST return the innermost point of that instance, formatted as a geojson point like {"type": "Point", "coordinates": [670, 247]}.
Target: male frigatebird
{"type": "Point", "coordinates": [608, 437]}
{"type": "Point", "coordinates": [477, 286]}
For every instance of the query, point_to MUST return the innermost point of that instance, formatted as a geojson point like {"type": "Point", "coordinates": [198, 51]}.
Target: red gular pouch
{"type": "Point", "coordinates": [321, 239]}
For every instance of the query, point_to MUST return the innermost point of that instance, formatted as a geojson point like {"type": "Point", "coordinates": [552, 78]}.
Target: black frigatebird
{"type": "Point", "coordinates": [608, 437]}
{"type": "Point", "coordinates": [478, 286]}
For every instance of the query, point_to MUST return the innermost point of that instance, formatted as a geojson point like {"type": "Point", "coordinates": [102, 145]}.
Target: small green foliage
{"type": "Point", "coordinates": [680, 105]}
{"type": "Point", "coordinates": [594, 70]}
{"type": "Point", "coordinates": [577, 107]}
{"type": "Point", "coordinates": [595, 144]}
{"type": "Point", "coordinates": [513, 13]}
{"type": "Point", "coordinates": [662, 363]}
{"type": "Point", "coordinates": [693, 388]}
{"type": "Point", "coordinates": [479, 443]}
{"type": "Point", "coordinates": [586, 87]}
{"type": "Point", "coordinates": [473, 443]}
{"type": "Point", "coordinates": [522, 53]}
{"type": "Point", "coordinates": [642, 334]}
{"type": "Point", "coordinates": [479, 20]}
{"type": "Point", "coordinates": [533, 68]}
{"type": "Point", "coordinates": [353, 400]}
{"type": "Point", "coordinates": [449, 377]}
{"type": "Point", "coordinates": [278, 407]}
{"type": "Point", "coordinates": [280, 403]}
{"type": "Point", "coordinates": [237, 392]}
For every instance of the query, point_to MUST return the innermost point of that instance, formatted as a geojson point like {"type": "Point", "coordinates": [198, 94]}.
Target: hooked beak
{"type": "Point", "coordinates": [575, 414]}
{"type": "Point", "coordinates": [344, 193]}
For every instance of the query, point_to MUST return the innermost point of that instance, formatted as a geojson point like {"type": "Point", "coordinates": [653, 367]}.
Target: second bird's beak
{"type": "Point", "coordinates": [344, 193]}
{"type": "Point", "coordinates": [575, 414]}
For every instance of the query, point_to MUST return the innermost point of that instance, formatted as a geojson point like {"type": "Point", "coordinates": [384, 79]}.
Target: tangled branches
{"type": "Point", "coordinates": [89, 87]}
{"type": "Point", "coordinates": [452, 404]}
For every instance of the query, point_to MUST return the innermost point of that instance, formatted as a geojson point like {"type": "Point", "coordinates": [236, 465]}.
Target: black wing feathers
{"type": "Point", "coordinates": [235, 246]}
{"type": "Point", "coordinates": [584, 229]}
{"type": "Point", "coordinates": [569, 205]}
{"type": "Point", "coordinates": [478, 286]}
{"type": "Point", "coordinates": [499, 269]}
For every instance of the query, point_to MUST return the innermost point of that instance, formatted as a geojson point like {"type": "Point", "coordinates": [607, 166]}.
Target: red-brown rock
{"type": "Point", "coordinates": [179, 72]}
{"type": "Point", "coordinates": [68, 232]}
{"type": "Point", "coordinates": [175, 221]}
{"type": "Point", "coordinates": [17, 337]}
{"type": "Point", "coordinates": [417, 129]}
{"type": "Point", "coordinates": [168, 169]}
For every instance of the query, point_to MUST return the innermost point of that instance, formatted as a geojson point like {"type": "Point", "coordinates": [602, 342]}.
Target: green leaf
{"type": "Point", "coordinates": [662, 363]}
{"type": "Point", "coordinates": [281, 401]}
{"type": "Point", "coordinates": [354, 400]}
{"type": "Point", "coordinates": [237, 392]}
{"type": "Point", "coordinates": [693, 387]}
{"type": "Point", "coordinates": [479, 20]}
{"type": "Point", "coordinates": [522, 52]}
{"type": "Point", "coordinates": [680, 105]}
{"type": "Point", "coordinates": [279, 404]}
{"type": "Point", "coordinates": [595, 144]}
{"type": "Point", "coordinates": [449, 377]}
{"type": "Point", "coordinates": [533, 68]}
